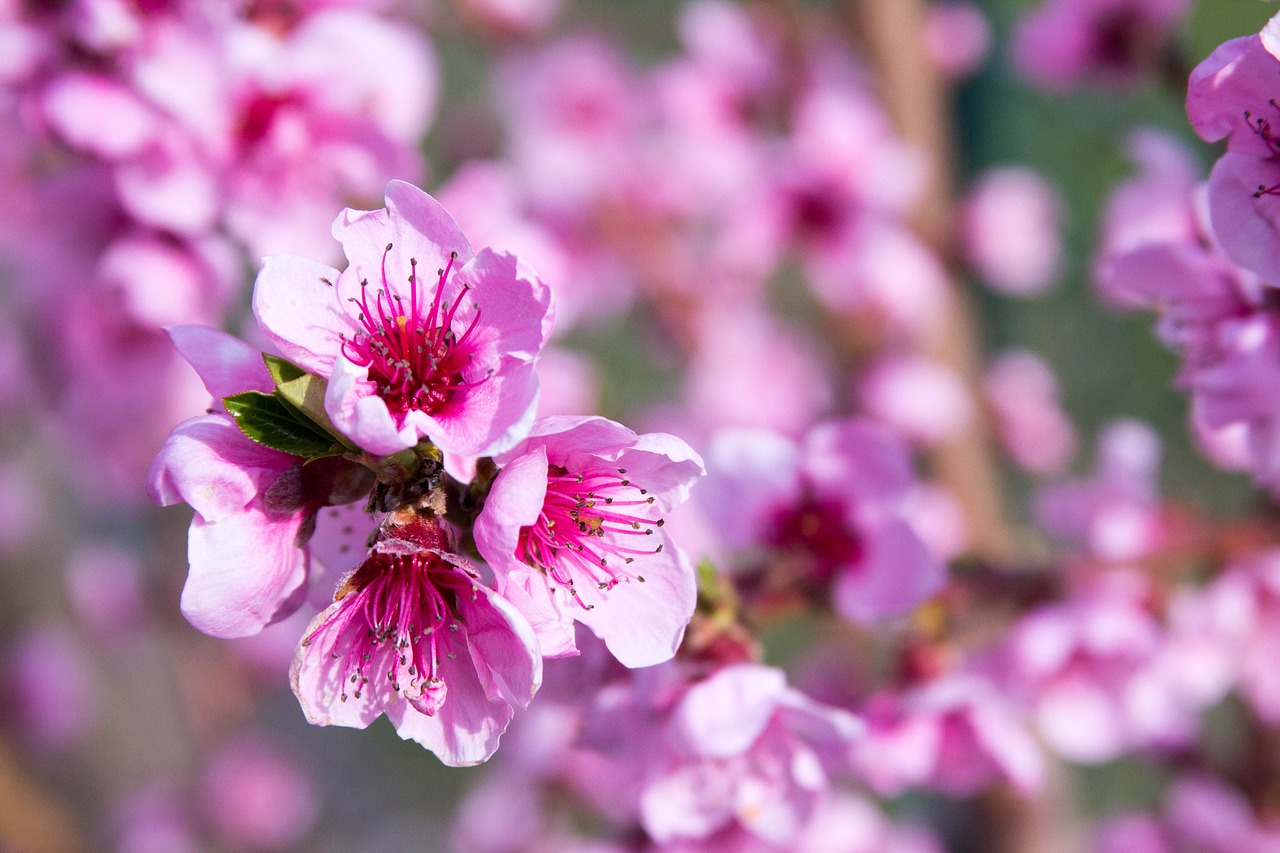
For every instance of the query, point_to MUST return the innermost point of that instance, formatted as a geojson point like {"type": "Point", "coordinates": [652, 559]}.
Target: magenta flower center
{"type": "Point", "coordinates": [1126, 40]}
{"type": "Point", "coordinates": [390, 624]}
{"type": "Point", "coordinates": [817, 212]}
{"type": "Point", "coordinates": [819, 530]}
{"type": "Point", "coordinates": [589, 529]}
{"type": "Point", "coordinates": [414, 355]}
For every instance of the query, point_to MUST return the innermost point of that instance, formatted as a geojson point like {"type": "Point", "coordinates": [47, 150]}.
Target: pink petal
{"type": "Point", "coordinates": [503, 647]}
{"type": "Point", "coordinates": [209, 463]}
{"type": "Point", "coordinates": [466, 729]}
{"type": "Point", "coordinates": [246, 572]}
{"type": "Point", "coordinates": [896, 573]}
{"type": "Point", "coordinates": [515, 500]}
{"type": "Point", "coordinates": [1248, 227]}
{"type": "Point", "coordinates": [226, 365]}
{"type": "Point", "coordinates": [413, 223]}
{"type": "Point", "coordinates": [319, 679]}
{"type": "Point", "coordinates": [299, 312]}
{"type": "Point", "coordinates": [643, 623]}
{"type": "Point", "coordinates": [725, 714]}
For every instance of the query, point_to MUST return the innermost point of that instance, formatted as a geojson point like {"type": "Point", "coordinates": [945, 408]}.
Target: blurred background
{"type": "Point", "coordinates": [153, 151]}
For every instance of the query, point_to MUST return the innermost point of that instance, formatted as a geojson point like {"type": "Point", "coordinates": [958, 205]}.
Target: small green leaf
{"type": "Point", "coordinates": [304, 393]}
{"type": "Point", "coordinates": [282, 370]}
{"type": "Point", "coordinates": [271, 422]}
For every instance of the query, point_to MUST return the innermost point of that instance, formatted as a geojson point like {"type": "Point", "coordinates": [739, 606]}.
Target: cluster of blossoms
{"type": "Point", "coordinates": [394, 470]}
{"type": "Point", "coordinates": [399, 419]}
{"type": "Point", "coordinates": [404, 497]}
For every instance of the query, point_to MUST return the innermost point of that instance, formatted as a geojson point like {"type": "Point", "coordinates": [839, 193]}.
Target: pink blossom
{"type": "Point", "coordinates": [836, 504]}
{"type": "Point", "coordinates": [1207, 630]}
{"type": "Point", "coordinates": [413, 633]}
{"type": "Point", "coordinates": [1062, 43]}
{"type": "Point", "coordinates": [924, 400]}
{"type": "Point", "coordinates": [1230, 96]}
{"type": "Point", "coordinates": [574, 113]}
{"type": "Point", "coordinates": [842, 186]}
{"type": "Point", "coordinates": [1023, 394]}
{"type": "Point", "coordinates": [743, 748]}
{"type": "Point", "coordinates": [450, 359]}
{"type": "Point", "coordinates": [310, 134]}
{"type": "Point", "coordinates": [1240, 618]}
{"type": "Point", "coordinates": [955, 733]}
{"type": "Point", "coordinates": [572, 528]}
{"type": "Point", "coordinates": [256, 797]}
{"type": "Point", "coordinates": [957, 36]}
{"type": "Point", "coordinates": [1156, 206]}
{"type": "Point", "coordinates": [1115, 513]}
{"type": "Point", "coordinates": [1216, 315]}
{"type": "Point", "coordinates": [1011, 231]}
{"type": "Point", "coordinates": [1088, 668]}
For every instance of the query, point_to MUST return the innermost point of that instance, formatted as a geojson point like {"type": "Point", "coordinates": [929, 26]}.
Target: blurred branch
{"type": "Point", "coordinates": [30, 821]}
{"type": "Point", "coordinates": [917, 100]}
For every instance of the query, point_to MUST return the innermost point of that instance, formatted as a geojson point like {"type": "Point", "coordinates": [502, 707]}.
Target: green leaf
{"type": "Point", "coordinates": [273, 423]}
{"type": "Point", "coordinates": [304, 393]}
{"type": "Point", "coordinates": [282, 370]}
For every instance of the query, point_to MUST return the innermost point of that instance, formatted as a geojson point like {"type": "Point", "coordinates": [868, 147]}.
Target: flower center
{"type": "Point", "coordinates": [817, 529]}
{"type": "Point", "coordinates": [817, 212]}
{"type": "Point", "coordinates": [394, 608]}
{"type": "Point", "coordinates": [587, 528]}
{"type": "Point", "coordinates": [413, 353]}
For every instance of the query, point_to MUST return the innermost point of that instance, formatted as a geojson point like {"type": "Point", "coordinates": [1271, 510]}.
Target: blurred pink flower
{"type": "Point", "coordinates": [1011, 225]}
{"type": "Point", "coordinates": [1156, 206]}
{"type": "Point", "coordinates": [741, 747]}
{"type": "Point", "coordinates": [956, 733]}
{"type": "Point", "coordinates": [1063, 43]}
{"type": "Point", "coordinates": [1087, 668]}
{"type": "Point", "coordinates": [256, 797]}
{"type": "Point", "coordinates": [923, 399]}
{"type": "Point", "coordinates": [957, 37]}
{"type": "Point", "coordinates": [1023, 395]}
{"type": "Point", "coordinates": [1115, 513]}
{"type": "Point", "coordinates": [837, 502]}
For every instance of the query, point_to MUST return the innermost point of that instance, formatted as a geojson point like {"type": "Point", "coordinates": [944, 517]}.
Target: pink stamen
{"type": "Point", "coordinates": [403, 600]}
{"type": "Point", "coordinates": [414, 357]}
{"type": "Point", "coordinates": [581, 532]}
